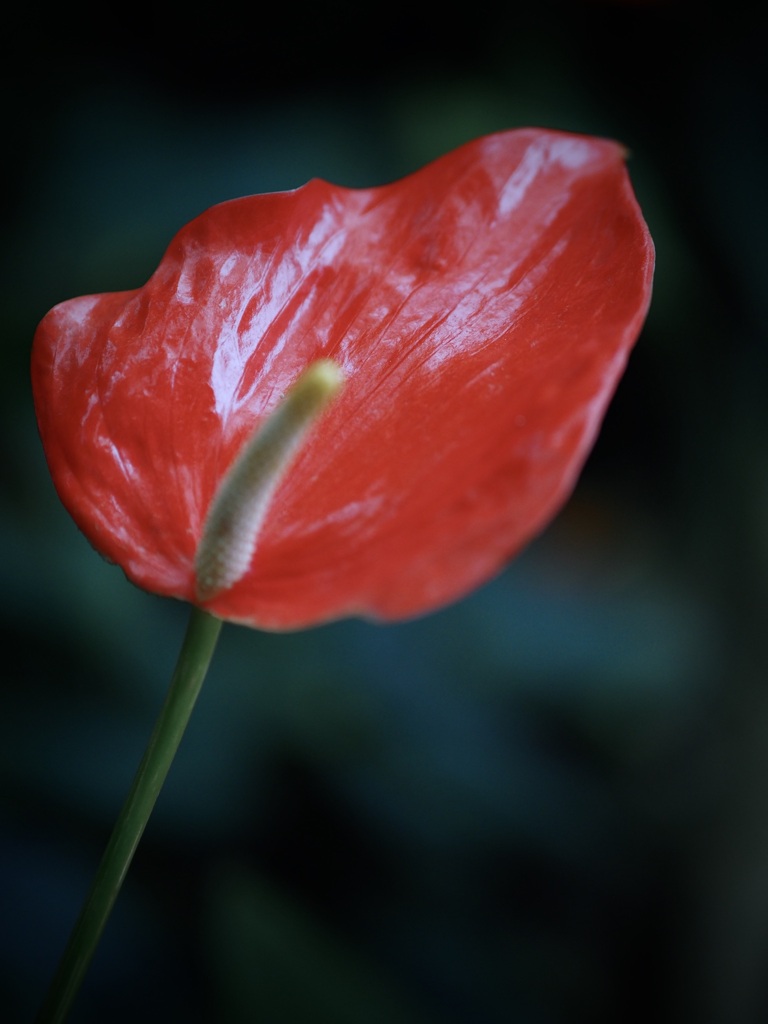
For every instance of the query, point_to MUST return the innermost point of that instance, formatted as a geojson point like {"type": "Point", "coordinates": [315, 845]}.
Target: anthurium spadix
{"type": "Point", "coordinates": [430, 361]}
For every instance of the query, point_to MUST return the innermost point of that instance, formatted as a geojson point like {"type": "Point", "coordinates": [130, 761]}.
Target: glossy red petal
{"type": "Point", "coordinates": [482, 310]}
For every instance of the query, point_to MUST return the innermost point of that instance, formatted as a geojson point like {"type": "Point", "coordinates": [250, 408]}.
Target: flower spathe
{"type": "Point", "coordinates": [480, 311]}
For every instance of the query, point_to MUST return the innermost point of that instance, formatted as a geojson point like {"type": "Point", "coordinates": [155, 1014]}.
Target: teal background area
{"type": "Point", "coordinates": [546, 804]}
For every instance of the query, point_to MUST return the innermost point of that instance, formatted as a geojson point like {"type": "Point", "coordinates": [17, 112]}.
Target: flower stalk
{"type": "Point", "coordinates": [191, 668]}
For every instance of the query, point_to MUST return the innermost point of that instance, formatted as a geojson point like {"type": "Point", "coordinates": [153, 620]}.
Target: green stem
{"type": "Point", "coordinates": [194, 659]}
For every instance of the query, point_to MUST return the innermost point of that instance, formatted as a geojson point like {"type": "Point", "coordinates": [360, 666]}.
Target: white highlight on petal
{"type": "Point", "coordinates": [269, 287]}
{"type": "Point", "coordinates": [79, 310]}
{"type": "Point", "coordinates": [186, 291]}
{"type": "Point", "coordinates": [234, 520]}
{"type": "Point", "coordinates": [563, 152]}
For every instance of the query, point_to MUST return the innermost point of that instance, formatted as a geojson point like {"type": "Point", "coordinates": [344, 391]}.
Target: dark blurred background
{"type": "Point", "coordinates": [546, 804]}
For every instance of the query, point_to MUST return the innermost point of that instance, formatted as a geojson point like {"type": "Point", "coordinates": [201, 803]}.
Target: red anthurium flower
{"type": "Point", "coordinates": [480, 313]}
